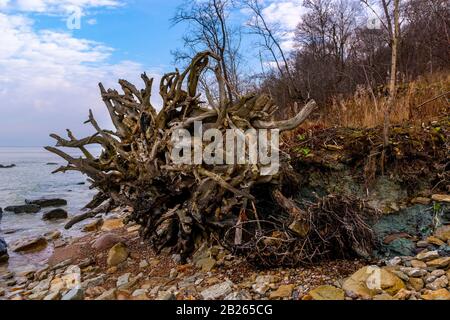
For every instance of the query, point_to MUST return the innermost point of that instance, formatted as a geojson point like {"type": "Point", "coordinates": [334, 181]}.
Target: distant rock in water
{"type": "Point", "coordinates": [56, 214]}
{"type": "Point", "coordinates": [1, 214]}
{"type": "Point", "coordinates": [3, 251]}
{"type": "Point", "coordinates": [45, 203]}
{"type": "Point", "coordinates": [52, 164]}
{"type": "Point", "coordinates": [7, 167]}
{"type": "Point", "coordinates": [27, 208]}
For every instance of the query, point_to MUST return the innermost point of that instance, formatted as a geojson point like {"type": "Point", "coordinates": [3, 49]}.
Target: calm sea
{"type": "Point", "coordinates": [32, 179]}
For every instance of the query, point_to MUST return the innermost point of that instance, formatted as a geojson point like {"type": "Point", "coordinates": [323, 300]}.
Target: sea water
{"type": "Point", "coordinates": [32, 178]}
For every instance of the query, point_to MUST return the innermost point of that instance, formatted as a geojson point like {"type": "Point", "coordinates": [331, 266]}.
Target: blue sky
{"type": "Point", "coordinates": [49, 73]}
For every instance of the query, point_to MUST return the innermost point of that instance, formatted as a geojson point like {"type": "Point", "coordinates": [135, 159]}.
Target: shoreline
{"type": "Point", "coordinates": [82, 270]}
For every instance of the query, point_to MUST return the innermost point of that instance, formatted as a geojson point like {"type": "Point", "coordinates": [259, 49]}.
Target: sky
{"type": "Point", "coordinates": [50, 66]}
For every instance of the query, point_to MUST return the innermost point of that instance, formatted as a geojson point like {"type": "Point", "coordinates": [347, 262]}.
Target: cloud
{"type": "Point", "coordinates": [48, 81]}
{"type": "Point", "coordinates": [57, 6]}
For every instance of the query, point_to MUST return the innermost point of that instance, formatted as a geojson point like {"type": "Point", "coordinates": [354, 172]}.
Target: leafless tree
{"type": "Point", "coordinates": [208, 30]}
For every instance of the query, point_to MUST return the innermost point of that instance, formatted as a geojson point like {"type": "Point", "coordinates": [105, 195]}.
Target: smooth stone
{"type": "Point", "coordinates": [439, 263]}
{"type": "Point", "coordinates": [76, 294]}
{"type": "Point", "coordinates": [45, 203]}
{"type": "Point", "coordinates": [427, 256]}
{"type": "Point", "coordinates": [57, 214]}
{"type": "Point", "coordinates": [106, 241]}
{"type": "Point", "coordinates": [441, 197]}
{"type": "Point", "coordinates": [117, 254]}
{"type": "Point", "coordinates": [435, 240]}
{"type": "Point", "coordinates": [28, 208]}
{"type": "Point", "coordinates": [371, 280]}
{"type": "Point", "coordinates": [441, 294]}
{"type": "Point", "coordinates": [418, 264]}
{"type": "Point", "coordinates": [416, 283]}
{"type": "Point", "coordinates": [123, 280]}
{"type": "Point", "coordinates": [327, 293]}
{"type": "Point", "coordinates": [284, 291]}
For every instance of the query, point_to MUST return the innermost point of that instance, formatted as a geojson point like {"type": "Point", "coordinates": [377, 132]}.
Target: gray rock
{"type": "Point", "coordinates": [9, 166]}
{"type": "Point", "coordinates": [3, 247]}
{"type": "Point", "coordinates": [75, 294]}
{"type": "Point", "coordinates": [123, 280]}
{"type": "Point", "coordinates": [217, 291]}
{"type": "Point", "coordinates": [27, 208]}
{"type": "Point", "coordinates": [56, 214]}
{"type": "Point", "coordinates": [108, 295]}
{"type": "Point", "coordinates": [45, 203]}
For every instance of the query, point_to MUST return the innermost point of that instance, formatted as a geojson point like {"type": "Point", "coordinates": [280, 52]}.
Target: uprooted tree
{"type": "Point", "coordinates": [180, 206]}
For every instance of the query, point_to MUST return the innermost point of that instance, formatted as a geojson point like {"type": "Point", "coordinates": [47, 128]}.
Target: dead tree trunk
{"type": "Point", "coordinates": [175, 204]}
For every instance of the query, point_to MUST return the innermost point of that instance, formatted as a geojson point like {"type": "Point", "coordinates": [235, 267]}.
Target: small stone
{"type": "Point", "coordinates": [166, 296]}
{"type": "Point", "coordinates": [441, 197]}
{"type": "Point", "coordinates": [416, 283]}
{"type": "Point", "coordinates": [422, 244]}
{"type": "Point", "coordinates": [418, 264]}
{"type": "Point", "coordinates": [439, 283]}
{"type": "Point", "coordinates": [206, 264]}
{"type": "Point", "coordinates": [435, 240]}
{"type": "Point", "coordinates": [123, 280]}
{"type": "Point", "coordinates": [438, 273]}
{"type": "Point", "coordinates": [108, 295]}
{"type": "Point", "coordinates": [439, 263]}
{"type": "Point", "coordinates": [421, 200]}
{"type": "Point", "coordinates": [441, 294]}
{"type": "Point", "coordinates": [52, 235]}
{"type": "Point", "coordinates": [112, 224]}
{"type": "Point", "coordinates": [106, 241]}
{"type": "Point", "coordinates": [117, 254]}
{"type": "Point", "coordinates": [427, 255]}
{"type": "Point", "coordinates": [217, 291]}
{"type": "Point", "coordinates": [143, 264]}
{"type": "Point", "coordinates": [403, 294]}
{"type": "Point", "coordinates": [139, 292]}
{"type": "Point", "coordinates": [414, 272]}
{"type": "Point", "coordinates": [238, 296]}
{"type": "Point", "coordinates": [55, 295]}
{"type": "Point", "coordinates": [394, 261]}
{"type": "Point", "coordinates": [327, 293]}
{"type": "Point", "coordinates": [75, 294]}
{"type": "Point", "coordinates": [284, 291]}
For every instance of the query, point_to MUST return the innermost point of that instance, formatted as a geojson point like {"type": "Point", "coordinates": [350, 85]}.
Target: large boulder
{"type": "Point", "coordinates": [56, 214]}
{"type": "Point", "coordinates": [27, 208]}
{"type": "Point", "coordinates": [45, 203]}
{"type": "Point", "coordinates": [372, 280]}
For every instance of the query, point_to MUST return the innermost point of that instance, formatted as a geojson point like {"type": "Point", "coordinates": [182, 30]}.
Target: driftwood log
{"type": "Point", "coordinates": [179, 206]}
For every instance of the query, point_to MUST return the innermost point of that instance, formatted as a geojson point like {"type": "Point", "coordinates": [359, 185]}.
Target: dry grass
{"type": "Point", "coordinates": [366, 108]}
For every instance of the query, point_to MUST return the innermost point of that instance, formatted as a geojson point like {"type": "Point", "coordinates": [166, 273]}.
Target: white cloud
{"type": "Point", "coordinates": [286, 14]}
{"type": "Point", "coordinates": [48, 80]}
{"type": "Point", "coordinates": [57, 6]}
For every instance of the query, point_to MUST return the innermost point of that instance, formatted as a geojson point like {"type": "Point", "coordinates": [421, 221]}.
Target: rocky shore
{"type": "Point", "coordinates": [110, 262]}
